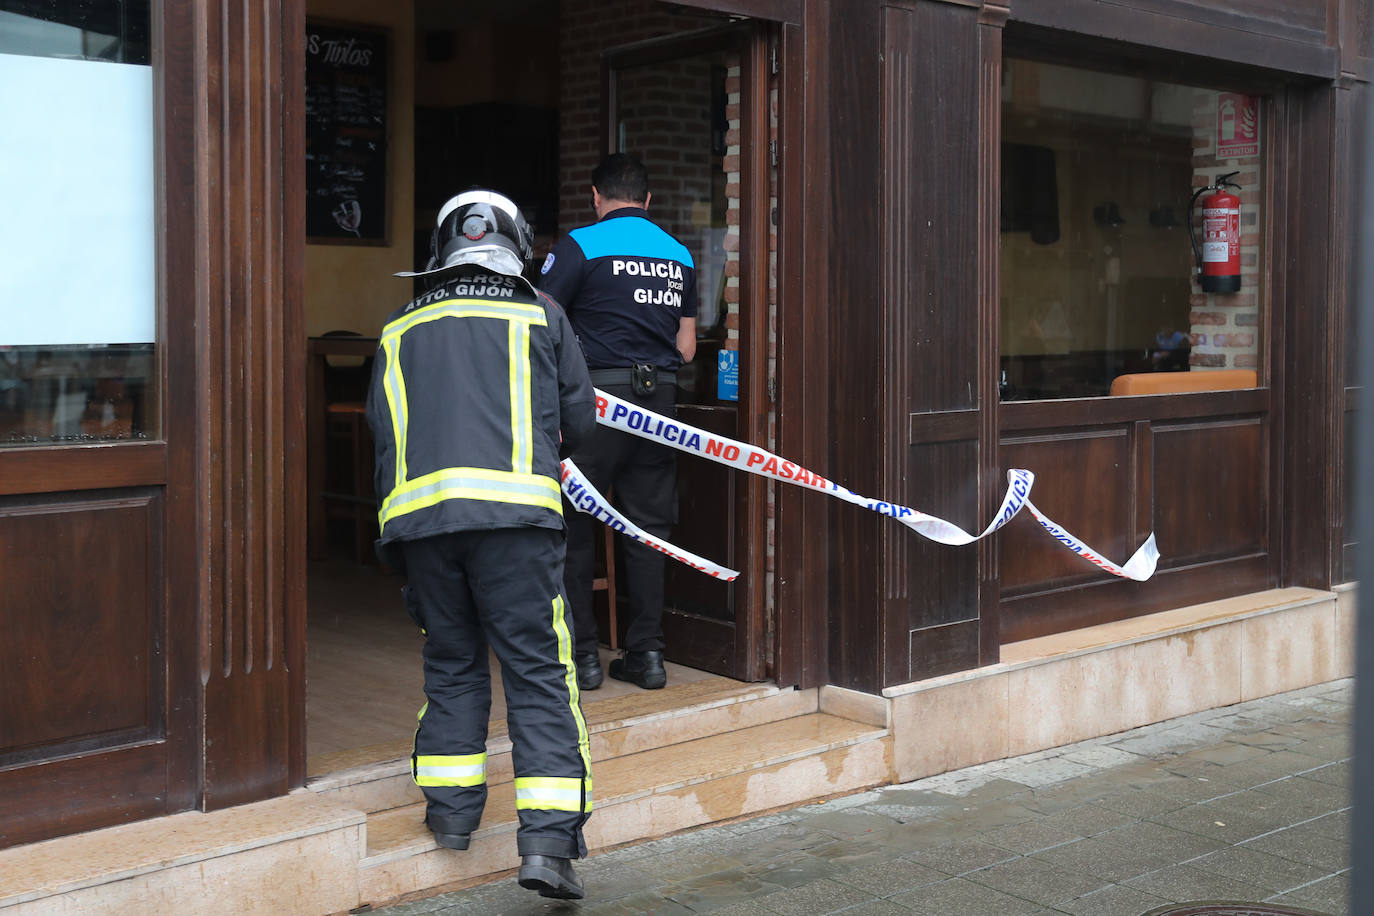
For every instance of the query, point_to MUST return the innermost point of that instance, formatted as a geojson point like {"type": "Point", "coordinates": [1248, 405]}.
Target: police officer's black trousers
{"type": "Point", "coordinates": [642, 479]}
{"type": "Point", "coordinates": [500, 587]}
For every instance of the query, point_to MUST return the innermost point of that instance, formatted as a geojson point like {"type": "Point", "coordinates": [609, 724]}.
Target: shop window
{"type": "Point", "coordinates": [1098, 265]}
{"type": "Point", "coordinates": [76, 174]}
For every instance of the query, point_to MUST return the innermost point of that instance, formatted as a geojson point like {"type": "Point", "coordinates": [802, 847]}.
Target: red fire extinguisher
{"type": "Point", "coordinates": [1218, 257]}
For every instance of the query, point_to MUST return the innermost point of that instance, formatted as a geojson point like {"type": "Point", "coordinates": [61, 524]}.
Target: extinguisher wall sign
{"type": "Point", "coordinates": [1218, 257]}
{"type": "Point", "coordinates": [1237, 125]}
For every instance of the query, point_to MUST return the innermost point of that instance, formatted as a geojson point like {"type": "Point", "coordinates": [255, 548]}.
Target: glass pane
{"type": "Point", "coordinates": [77, 358]}
{"type": "Point", "coordinates": [677, 116]}
{"type": "Point", "coordinates": [1100, 237]}
{"type": "Point", "coordinates": [75, 394]}
{"type": "Point", "coordinates": [111, 30]}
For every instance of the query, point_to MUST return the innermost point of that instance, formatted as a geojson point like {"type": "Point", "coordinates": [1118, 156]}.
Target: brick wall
{"type": "Point", "coordinates": [588, 28]}
{"type": "Point", "coordinates": [732, 207]}
{"type": "Point", "coordinates": [1225, 327]}
{"type": "Point", "coordinates": [663, 111]}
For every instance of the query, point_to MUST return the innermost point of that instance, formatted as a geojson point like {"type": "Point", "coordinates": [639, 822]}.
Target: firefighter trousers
{"type": "Point", "coordinates": [640, 479]}
{"type": "Point", "coordinates": [501, 588]}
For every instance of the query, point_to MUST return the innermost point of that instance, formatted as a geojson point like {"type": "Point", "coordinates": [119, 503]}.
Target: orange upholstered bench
{"type": "Point", "coordinates": [1171, 382]}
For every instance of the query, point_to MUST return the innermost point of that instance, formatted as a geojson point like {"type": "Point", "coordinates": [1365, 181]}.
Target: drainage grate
{"type": "Point", "coordinates": [1229, 908]}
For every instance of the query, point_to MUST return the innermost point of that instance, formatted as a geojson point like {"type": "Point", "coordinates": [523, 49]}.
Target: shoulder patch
{"type": "Point", "coordinates": [548, 263]}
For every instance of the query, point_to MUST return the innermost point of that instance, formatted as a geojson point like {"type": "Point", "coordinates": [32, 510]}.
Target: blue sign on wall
{"type": "Point", "coordinates": [727, 375]}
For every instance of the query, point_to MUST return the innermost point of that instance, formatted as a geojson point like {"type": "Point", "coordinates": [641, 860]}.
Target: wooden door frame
{"type": "Point", "coordinates": [804, 424]}
{"type": "Point", "coordinates": [748, 659]}
{"type": "Point", "coordinates": [235, 312]}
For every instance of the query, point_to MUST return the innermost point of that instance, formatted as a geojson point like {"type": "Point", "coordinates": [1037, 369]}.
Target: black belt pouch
{"type": "Point", "coordinates": [643, 379]}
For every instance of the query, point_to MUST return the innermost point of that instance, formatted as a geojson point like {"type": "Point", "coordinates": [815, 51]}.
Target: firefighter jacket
{"type": "Point", "coordinates": [476, 387]}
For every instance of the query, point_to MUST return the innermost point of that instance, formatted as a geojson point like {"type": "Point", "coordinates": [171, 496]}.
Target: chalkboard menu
{"type": "Point", "coordinates": [345, 133]}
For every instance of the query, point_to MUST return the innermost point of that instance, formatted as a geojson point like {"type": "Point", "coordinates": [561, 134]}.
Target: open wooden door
{"type": "Point", "coordinates": [695, 110]}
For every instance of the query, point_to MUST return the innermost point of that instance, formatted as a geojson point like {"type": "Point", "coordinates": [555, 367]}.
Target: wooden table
{"type": "Point", "coordinates": [319, 350]}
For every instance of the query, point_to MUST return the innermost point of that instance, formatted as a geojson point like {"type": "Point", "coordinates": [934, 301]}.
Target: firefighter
{"type": "Point", "coordinates": [478, 389]}
{"type": "Point", "coordinates": [631, 293]}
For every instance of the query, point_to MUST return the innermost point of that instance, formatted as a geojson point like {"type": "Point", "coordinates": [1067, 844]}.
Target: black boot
{"type": "Point", "coordinates": [444, 835]}
{"type": "Point", "coordinates": [453, 840]}
{"type": "Point", "coordinates": [551, 877]}
{"type": "Point", "coordinates": [642, 668]}
{"type": "Point", "coordinates": [588, 670]}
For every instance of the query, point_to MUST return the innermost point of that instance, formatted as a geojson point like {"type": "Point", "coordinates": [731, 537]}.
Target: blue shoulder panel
{"type": "Point", "coordinates": [629, 236]}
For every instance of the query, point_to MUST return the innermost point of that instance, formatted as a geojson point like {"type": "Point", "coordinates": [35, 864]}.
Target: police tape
{"type": "Point", "coordinates": [630, 418]}
{"type": "Point", "coordinates": [586, 498]}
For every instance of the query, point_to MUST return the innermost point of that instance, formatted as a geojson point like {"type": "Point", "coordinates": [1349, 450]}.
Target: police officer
{"type": "Point", "coordinates": [631, 294]}
{"type": "Point", "coordinates": [477, 386]}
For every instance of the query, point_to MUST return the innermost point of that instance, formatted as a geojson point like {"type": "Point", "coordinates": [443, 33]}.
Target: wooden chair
{"type": "Point", "coordinates": [606, 583]}
{"type": "Point", "coordinates": [346, 433]}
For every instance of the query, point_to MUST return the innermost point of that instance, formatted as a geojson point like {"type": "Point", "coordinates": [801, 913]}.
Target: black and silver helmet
{"type": "Point", "coordinates": [483, 228]}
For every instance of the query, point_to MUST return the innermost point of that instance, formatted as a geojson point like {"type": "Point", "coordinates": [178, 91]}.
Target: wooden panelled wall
{"type": "Point", "coordinates": [248, 417]}
{"type": "Point", "coordinates": [1352, 113]}
{"type": "Point", "coordinates": [888, 372]}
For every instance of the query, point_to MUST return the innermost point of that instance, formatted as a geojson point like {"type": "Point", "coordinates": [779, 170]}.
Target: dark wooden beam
{"type": "Point", "coordinates": [250, 353]}
{"type": "Point", "coordinates": [55, 469]}
{"type": "Point", "coordinates": [992, 20]}
{"type": "Point", "coordinates": [1314, 374]}
{"type": "Point", "coordinates": [1290, 37]}
{"type": "Point", "coordinates": [788, 11]}
{"type": "Point", "coordinates": [804, 258]}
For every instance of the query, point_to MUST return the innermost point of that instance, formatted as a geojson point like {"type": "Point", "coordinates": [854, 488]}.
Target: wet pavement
{"type": "Point", "coordinates": [1244, 803]}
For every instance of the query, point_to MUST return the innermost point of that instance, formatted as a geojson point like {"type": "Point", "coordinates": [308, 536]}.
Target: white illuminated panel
{"type": "Point", "coordinates": [76, 182]}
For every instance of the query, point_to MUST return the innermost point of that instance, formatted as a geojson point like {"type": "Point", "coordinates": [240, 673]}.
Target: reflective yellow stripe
{"type": "Point", "coordinates": [529, 314]}
{"type": "Point", "coordinates": [553, 793]}
{"type": "Point", "coordinates": [521, 406]}
{"type": "Point", "coordinates": [565, 655]}
{"type": "Point", "coordinates": [395, 385]}
{"type": "Point", "coordinates": [472, 483]}
{"type": "Point", "coordinates": [451, 770]}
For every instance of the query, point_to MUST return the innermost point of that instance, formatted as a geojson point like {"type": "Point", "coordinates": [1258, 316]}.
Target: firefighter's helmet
{"type": "Point", "coordinates": [480, 227]}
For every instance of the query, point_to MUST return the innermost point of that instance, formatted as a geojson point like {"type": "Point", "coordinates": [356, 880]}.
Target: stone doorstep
{"type": "Point", "coordinates": [145, 848]}
{"type": "Point", "coordinates": [615, 710]}
{"type": "Point", "coordinates": [400, 833]}
{"type": "Point", "coordinates": [820, 758]}
{"type": "Point", "coordinates": [708, 717]}
{"type": "Point", "coordinates": [1176, 622]}
{"type": "Point", "coordinates": [727, 706]}
{"type": "Point", "coordinates": [723, 767]}
{"type": "Point", "coordinates": [643, 796]}
{"type": "Point", "coordinates": [1071, 687]}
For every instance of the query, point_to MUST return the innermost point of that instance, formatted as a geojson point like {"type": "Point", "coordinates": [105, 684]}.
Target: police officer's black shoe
{"type": "Point", "coordinates": [551, 876]}
{"type": "Point", "coordinates": [588, 670]}
{"type": "Point", "coordinates": [642, 668]}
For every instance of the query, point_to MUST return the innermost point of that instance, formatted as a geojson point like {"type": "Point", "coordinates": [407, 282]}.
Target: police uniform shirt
{"type": "Point", "coordinates": [625, 284]}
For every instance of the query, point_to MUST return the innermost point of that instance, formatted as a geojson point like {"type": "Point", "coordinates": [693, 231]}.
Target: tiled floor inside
{"type": "Point", "coordinates": [1247, 802]}
{"type": "Point", "coordinates": [364, 680]}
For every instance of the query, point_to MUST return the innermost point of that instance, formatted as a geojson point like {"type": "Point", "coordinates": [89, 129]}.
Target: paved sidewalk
{"type": "Point", "coordinates": [1249, 802]}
